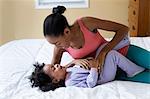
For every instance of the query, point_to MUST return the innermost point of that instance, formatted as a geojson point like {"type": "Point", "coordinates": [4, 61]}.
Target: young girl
{"type": "Point", "coordinates": [48, 77]}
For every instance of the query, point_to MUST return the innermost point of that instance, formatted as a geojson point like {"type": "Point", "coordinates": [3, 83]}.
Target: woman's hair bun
{"type": "Point", "coordinates": [59, 10]}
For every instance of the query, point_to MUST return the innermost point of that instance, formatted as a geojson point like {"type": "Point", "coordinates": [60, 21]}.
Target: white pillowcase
{"type": "Point", "coordinates": [46, 53]}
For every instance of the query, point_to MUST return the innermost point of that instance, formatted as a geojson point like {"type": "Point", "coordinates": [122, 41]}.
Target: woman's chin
{"type": "Point", "coordinates": [77, 47]}
{"type": "Point", "coordinates": [65, 47]}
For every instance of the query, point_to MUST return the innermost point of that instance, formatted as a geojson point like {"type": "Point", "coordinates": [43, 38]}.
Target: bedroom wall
{"type": "Point", "coordinates": [7, 24]}
{"type": "Point", "coordinates": [21, 20]}
{"type": "Point", "coordinates": [0, 23]}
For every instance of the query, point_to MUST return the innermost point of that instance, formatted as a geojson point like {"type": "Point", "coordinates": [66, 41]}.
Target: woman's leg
{"type": "Point", "coordinates": [114, 59]}
{"type": "Point", "coordinates": [139, 56]}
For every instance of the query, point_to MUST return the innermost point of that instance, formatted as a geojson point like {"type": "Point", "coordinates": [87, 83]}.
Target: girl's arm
{"type": "Point", "coordinates": [92, 78]}
{"type": "Point", "coordinates": [120, 32]}
{"type": "Point", "coordinates": [89, 82]}
{"type": "Point", "coordinates": [57, 55]}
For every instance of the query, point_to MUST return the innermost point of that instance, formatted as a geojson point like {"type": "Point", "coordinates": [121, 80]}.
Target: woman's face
{"type": "Point", "coordinates": [57, 72]}
{"type": "Point", "coordinates": [62, 40]}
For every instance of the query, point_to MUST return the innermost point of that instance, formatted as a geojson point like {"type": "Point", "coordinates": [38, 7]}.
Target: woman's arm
{"type": "Point", "coordinates": [120, 32]}
{"type": "Point", "coordinates": [57, 55]}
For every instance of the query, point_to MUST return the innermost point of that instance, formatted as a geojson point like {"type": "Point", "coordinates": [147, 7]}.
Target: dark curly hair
{"type": "Point", "coordinates": [42, 80]}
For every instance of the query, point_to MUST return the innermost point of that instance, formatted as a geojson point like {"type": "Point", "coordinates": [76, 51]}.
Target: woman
{"type": "Point", "coordinates": [82, 39]}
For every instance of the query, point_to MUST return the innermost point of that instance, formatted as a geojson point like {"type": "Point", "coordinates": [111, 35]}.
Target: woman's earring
{"type": "Point", "coordinates": [66, 31]}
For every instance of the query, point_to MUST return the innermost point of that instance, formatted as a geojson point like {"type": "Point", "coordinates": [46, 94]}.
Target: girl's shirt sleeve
{"type": "Point", "coordinates": [80, 79]}
{"type": "Point", "coordinates": [92, 78]}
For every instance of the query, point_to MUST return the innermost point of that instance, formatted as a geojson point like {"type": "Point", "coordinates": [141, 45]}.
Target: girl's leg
{"type": "Point", "coordinates": [114, 59]}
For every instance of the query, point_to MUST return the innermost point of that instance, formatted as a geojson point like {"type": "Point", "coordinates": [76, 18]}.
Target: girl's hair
{"type": "Point", "coordinates": [55, 23]}
{"type": "Point", "coordinates": [43, 81]}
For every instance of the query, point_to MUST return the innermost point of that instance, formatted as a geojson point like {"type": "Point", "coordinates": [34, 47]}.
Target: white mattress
{"type": "Point", "coordinates": [17, 57]}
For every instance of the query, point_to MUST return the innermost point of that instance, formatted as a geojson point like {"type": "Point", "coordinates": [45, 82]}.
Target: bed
{"type": "Point", "coordinates": [17, 57]}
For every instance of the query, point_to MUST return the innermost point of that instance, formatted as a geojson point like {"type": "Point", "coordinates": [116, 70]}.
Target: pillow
{"type": "Point", "coordinates": [45, 55]}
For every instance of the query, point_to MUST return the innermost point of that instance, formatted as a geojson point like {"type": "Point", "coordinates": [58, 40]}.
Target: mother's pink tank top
{"type": "Point", "coordinates": [92, 42]}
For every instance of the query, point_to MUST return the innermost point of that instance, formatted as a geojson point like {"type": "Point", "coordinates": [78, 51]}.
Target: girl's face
{"type": "Point", "coordinates": [56, 72]}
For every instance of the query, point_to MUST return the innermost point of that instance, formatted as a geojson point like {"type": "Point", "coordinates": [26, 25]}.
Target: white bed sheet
{"type": "Point", "coordinates": [17, 57]}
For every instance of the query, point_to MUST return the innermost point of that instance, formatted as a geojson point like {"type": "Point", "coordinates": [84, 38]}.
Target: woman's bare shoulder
{"type": "Point", "coordinates": [89, 19]}
{"type": "Point", "coordinates": [90, 22]}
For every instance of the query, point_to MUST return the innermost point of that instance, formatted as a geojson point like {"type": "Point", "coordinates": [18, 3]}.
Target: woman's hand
{"type": "Point", "coordinates": [100, 60]}
{"type": "Point", "coordinates": [81, 62]}
{"type": "Point", "coordinates": [92, 62]}
{"type": "Point", "coordinates": [84, 63]}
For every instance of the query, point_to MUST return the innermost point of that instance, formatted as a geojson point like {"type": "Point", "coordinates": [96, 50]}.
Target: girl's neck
{"type": "Point", "coordinates": [67, 76]}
